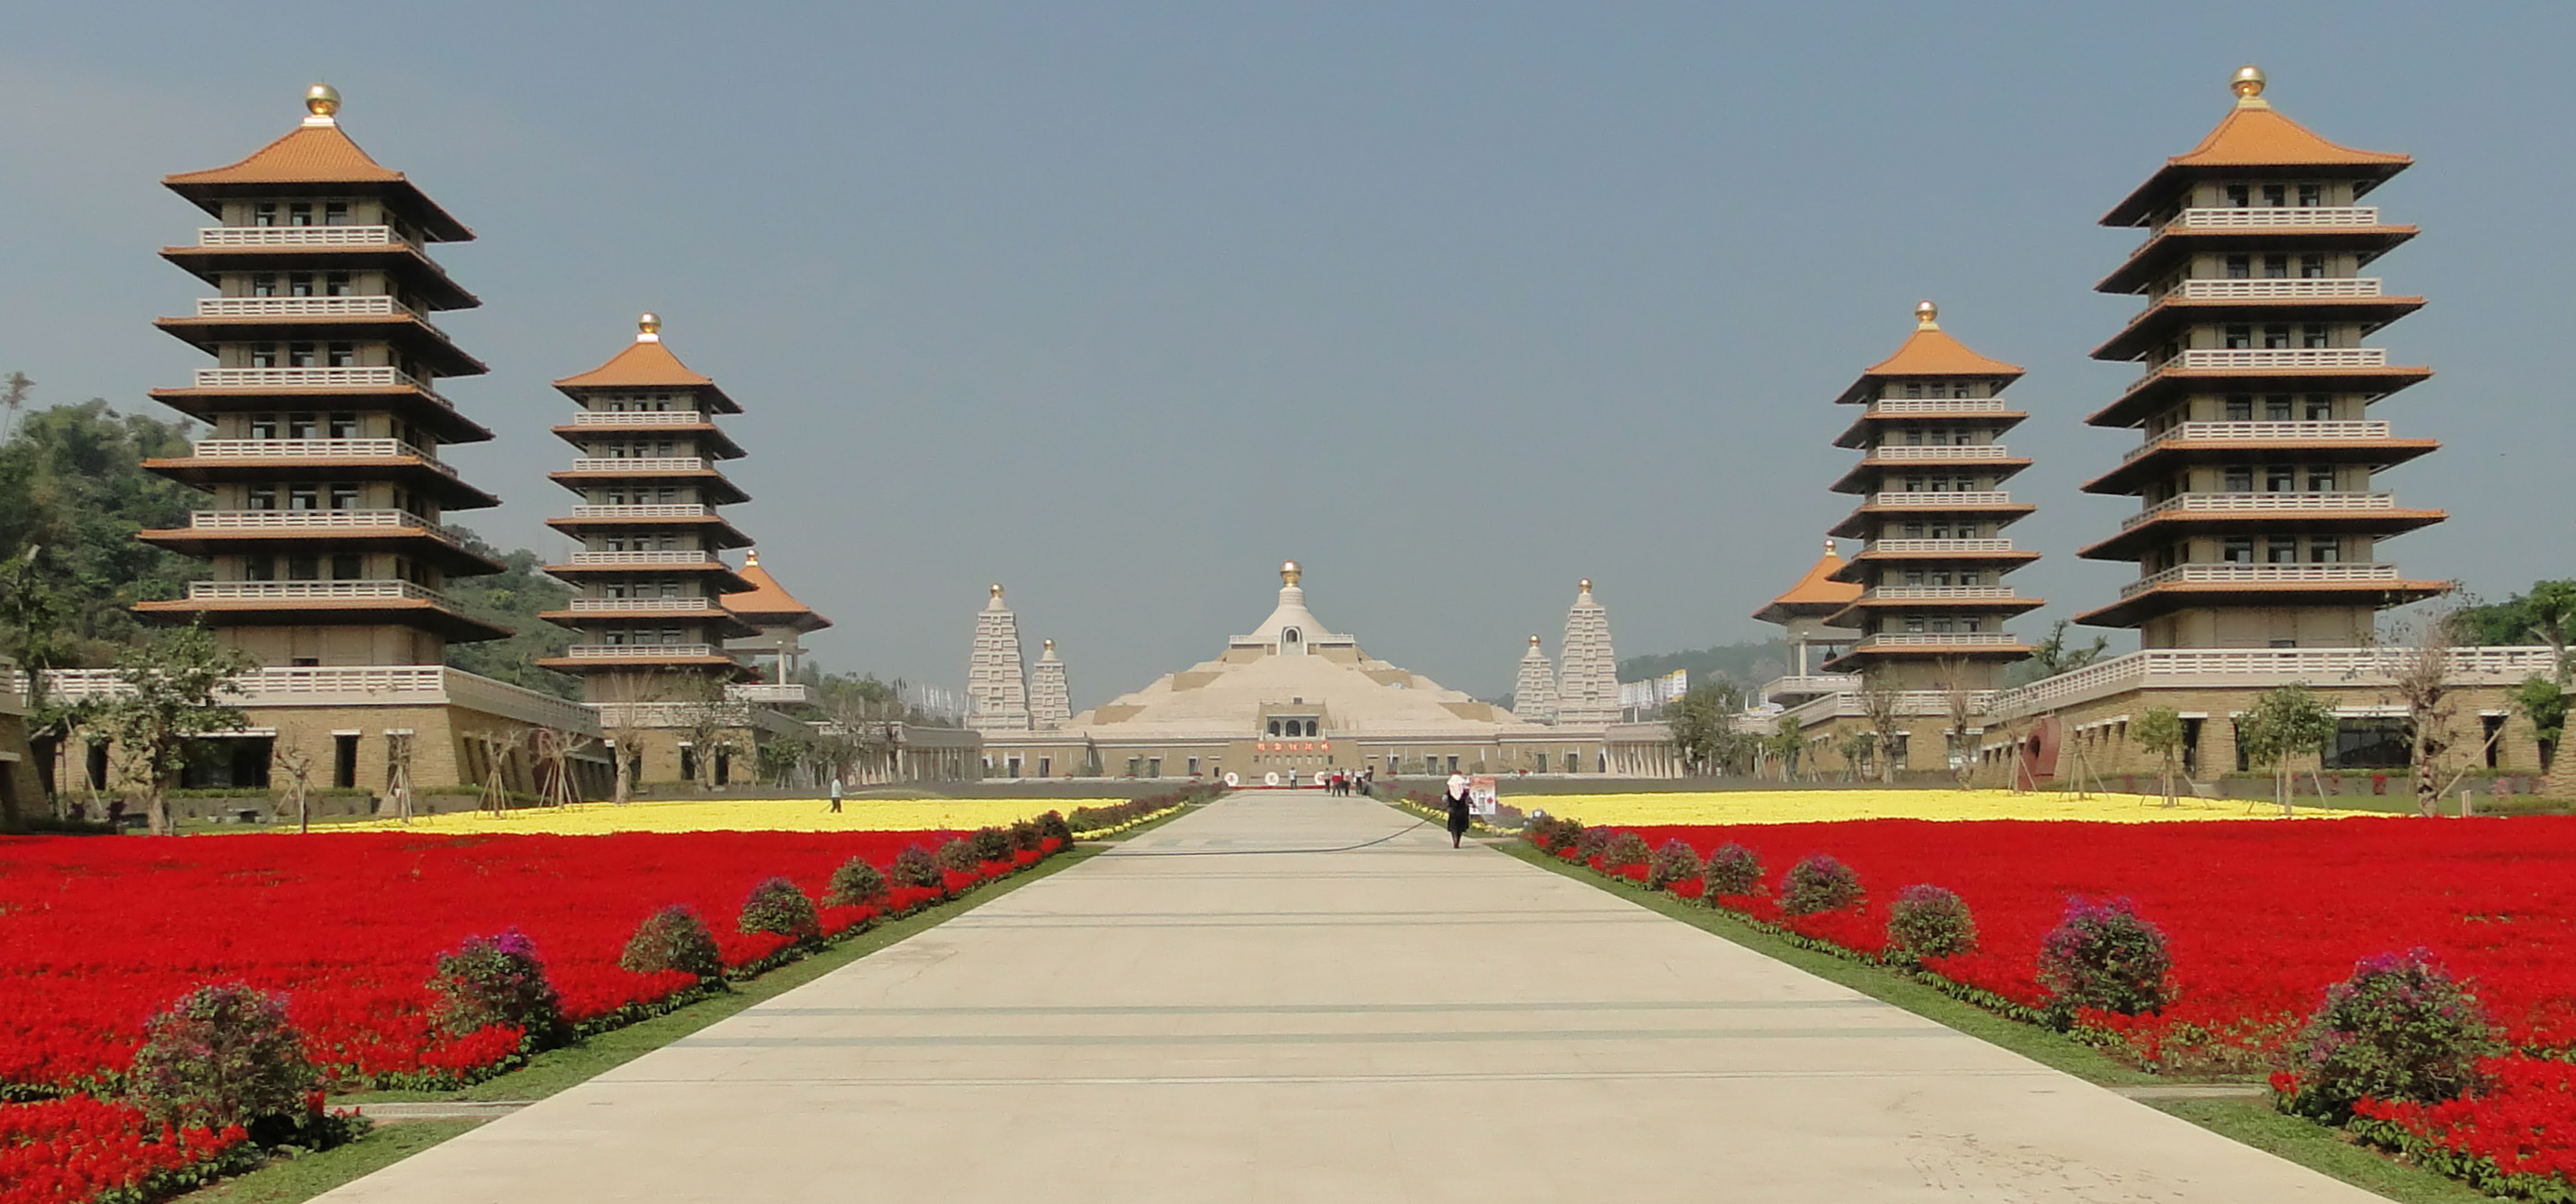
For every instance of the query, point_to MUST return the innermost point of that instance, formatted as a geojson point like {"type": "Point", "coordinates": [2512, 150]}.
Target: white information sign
{"type": "Point", "coordinates": [1483, 795]}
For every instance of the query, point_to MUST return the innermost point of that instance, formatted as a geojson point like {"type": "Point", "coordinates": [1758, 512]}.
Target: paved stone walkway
{"type": "Point", "coordinates": [1400, 1022]}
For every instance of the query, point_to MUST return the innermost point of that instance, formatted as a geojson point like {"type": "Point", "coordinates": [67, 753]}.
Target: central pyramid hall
{"type": "Point", "coordinates": [1291, 697]}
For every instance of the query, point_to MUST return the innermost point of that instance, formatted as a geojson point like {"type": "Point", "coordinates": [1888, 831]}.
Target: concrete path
{"type": "Point", "coordinates": [1399, 1022]}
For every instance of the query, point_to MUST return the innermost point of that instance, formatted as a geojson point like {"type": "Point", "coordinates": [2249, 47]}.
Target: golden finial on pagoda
{"type": "Point", "coordinates": [322, 105]}
{"type": "Point", "coordinates": [997, 591]}
{"type": "Point", "coordinates": [1290, 574]}
{"type": "Point", "coordinates": [1586, 583]}
{"type": "Point", "coordinates": [1830, 549]}
{"type": "Point", "coordinates": [648, 328]}
{"type": "Point", "coordinates": [751, 559]}
{"type": "Point", "coordinates": [1927, 316]}
{"type": "Point", "coordinates": [1533, 639]}
{"type": "Point", "coordinates": [1050, 645]}
{"type": "Point", "coordinates": [2248, 86]}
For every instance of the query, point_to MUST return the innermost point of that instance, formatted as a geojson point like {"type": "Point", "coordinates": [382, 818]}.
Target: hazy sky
{"type": "Point", "coordinates": [1122, 304]}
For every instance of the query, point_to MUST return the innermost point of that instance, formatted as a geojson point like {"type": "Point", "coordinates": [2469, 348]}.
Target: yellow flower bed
{"type": "Point", "coordinates": [741, 815]}
{"type": "Point", "coordinates": [1819, 806]}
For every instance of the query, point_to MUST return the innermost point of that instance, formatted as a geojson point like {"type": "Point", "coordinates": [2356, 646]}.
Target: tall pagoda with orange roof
{"type": "Point", "coordinates": [325, 535]}
{"type": "Point", "coordinates": [2259, 524]}
{"type": "Point", "coordinates": [651, 609]}
{"type": "Point", "coordinates": [778, 621]}
{"type": "Point", "coordinates": [1933, 603]}
{"type": "Point", "coordinates": [1801, 613]}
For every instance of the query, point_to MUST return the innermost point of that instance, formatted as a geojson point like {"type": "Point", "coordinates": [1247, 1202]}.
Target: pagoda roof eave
{"type": "Point", "coordinates": [2159, 600]}
{"type": "Point", "coordinates": [2161, 459]}
{"type": "Point", "coordinates": [2151, 392]}
{"type": "Point", "coordinates": [1857, 434]}
{"type": "Point", "coordinates": [2156, 321]}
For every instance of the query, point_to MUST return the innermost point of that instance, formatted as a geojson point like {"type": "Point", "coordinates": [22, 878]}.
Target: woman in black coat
{"type": "Point", "coordinates": [1457, 809]}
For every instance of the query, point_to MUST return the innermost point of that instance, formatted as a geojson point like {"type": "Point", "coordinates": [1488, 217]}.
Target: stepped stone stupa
{"type": "Point", "coordinates": [997, 685]}
{"type": "Point", "coordinates": [1587, 693]}
{"type": "Point", "coordinates": [1050, 695]}
{"type": "Point", "coordinates": [1534, 693]}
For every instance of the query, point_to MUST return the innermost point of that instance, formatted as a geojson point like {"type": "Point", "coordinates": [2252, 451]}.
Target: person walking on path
{"type": "Point", "coordinates": [836, 794]}
{"type": "Point", "coordinates": [1457, 809]}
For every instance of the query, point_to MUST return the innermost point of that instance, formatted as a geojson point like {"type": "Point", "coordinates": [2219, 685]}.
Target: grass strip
{"type": "Point", "coordinates": [2252, 1122]}
{"type": "Point", "coordinates": [292, 1180]}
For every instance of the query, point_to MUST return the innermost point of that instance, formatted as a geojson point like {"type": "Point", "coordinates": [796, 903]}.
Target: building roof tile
{"type": "Point", "coordinates": [768, 604]}
{"type": "Point", "coordinates": [308, 154]}
{"type": "Point", "coordinates": [1815, 593]}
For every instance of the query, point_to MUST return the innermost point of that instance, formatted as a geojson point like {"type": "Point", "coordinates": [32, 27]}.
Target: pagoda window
{"type": "Point", "coordinates": [1914, 436]}
{"type": "Point", "coordinates": [2325, 551]}
{"type": "Point", "coordinates": [1914, 576]}
{"type": "Point", "coordinates": [2281, 549]}
{"type": "Point", "coordinates": [2240, 407]}
{"type": "Point", "coordinates": [1940, 576]}
{"type": "Point", "coordinates": [2240, 195]}
{"type": "Point", "coordinates": [348, 566]}
{"type": "Point", "coordinates": [2239, 478]}
{"type": "Point", "coordinates": [1914, 624]}
{"type": "Point", "coordinates": [2316, 336]}
{"type": "Point", "coordinates": [1913, 530]}
{"type": "Point", "coordinates": [344, 495]}
{"type": "Point", "coordinates": [303, 568]}
{"type": "Point", "coordinates": [2320, 407]}
{"type": "Point", "coordinates": [2276, 267]}
{"type": "Point", "coordinates": [335, 284]}
{"type": "Point", "coordinates": [2312, 267]}
{"type": "Point", "coordinates": [264, 214]}
{"type": "Point", "coordinates": [2237, 336]}
{"type": "Point", "coordinates": [261, 497]}
{"type": "Point", "coordinates": [335, 213]}
{"type": "Point", "coordinates": [2276, 335]}
{"type": "Point", "coordinates": [2237, 549]}
{"type": "Point", "coordinates": [2240, 267]}
{"type": "Point", "coordinates": [344, 424]}
{"type": "Point", "coordinates": [299, 426]}
{"type": "Point", "coordinates": [1914, 388]}
{"type": "Point", "coordinates": [259, 568]}
{"type": "Point", "coordinates": [302, 355]}
{"type": "Point", "coordinates": [2321, 478]}
{"type": "Point", "coordinates": [299, 214]}
{"type": "Point", "coordinates": [299, 284]}
{"type": "Point", "coordinates": [263, 284]}
{"type": "Point", "coordinates": [2276, 195]}
{"type": "Point", "coordinates": [2312, 195]}
{"type": "Point", "coordinates": [2276, 407]}
{"type": "Point", "coordinates": [303, 497]}
{"type": "Point", "coordinates": [262, 355]}
{"type": "Point", "coordinates": [263, 426]}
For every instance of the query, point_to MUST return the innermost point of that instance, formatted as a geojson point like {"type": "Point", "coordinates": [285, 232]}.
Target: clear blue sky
{"type": "Point", "coordinates": [1122, 304]}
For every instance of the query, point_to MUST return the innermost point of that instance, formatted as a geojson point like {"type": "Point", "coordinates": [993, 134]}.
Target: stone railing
{"type": "Point", "coordinates": [316, 520]}
{"type": "Point", "coordinates": [289, 591]}
{"type": "Point", "coordinates": [1940, 499]}
{"type": "Point", "coordinates": [2261, 433]}
{"type": "Point", "coordinates": [2335, 501]}
{"type": "Point", "coordinates": [644, 418]}
{"type": "Point", "coordinates": [1934, 592]}
{"type": "Point", "coordinates": [662, 605]}
{"type": "Point", "coordinates": [1797, 684]}
{"type": "Point", "coordinates": [614, 715]}
{"type": "Point", "coordinates": [2275, 217]}
{"type": "Point", "coordinates": [2318, 288]}
{"type": "Point", "coordinates": [1936, 639]}
{"type": "Point", "coordinates": [1936, 546]}
{"type": "Point", "coordinates": [1854, 704]}
{"type": "Point", "coordinates": [581, 652]}
{"type": "Point", "coordinates": [1937, 405]}
{"type": "Point", "coordinates": [2267, 359]}
{"type": "Point", "coordinates": [695, 557]}
{"type": "Point", "coordinates": [638, 464]}
{"type": "Point", "coordinates": [2261, 574]}
{"type": "Point", "coordinates": [1940, 452]}
{"type": "Point", "coordinates": [298, 236]}
{"type": "Point", "coordinates": [2262, 668]}
{"type": "Point", "coordinates": [651, 510]}
{"type": "Point", "coordinates": [770, 691]}
{"type": "Point", "coordinates": [362, 685]}
{"type": "Point", "coordinates": [299, 307]}
{"type": "Point", "coordinates": [313, 449]}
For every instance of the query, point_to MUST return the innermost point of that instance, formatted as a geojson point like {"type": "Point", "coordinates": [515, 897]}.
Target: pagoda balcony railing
{"type": "Point", "coordinates": [1940, 499]}
{"type": "Point", "coordinates": [316, 520]}
{"type": "Point", "coordinates": [1930, 593]}
{"type": "Point", "coordinates": [644, 510]}
{"type": "Point", "coordinates": [1854, 704]}
{"type": "Point", "coordinates": [298, 236]}
{"type": "Point", "coordinates": [305, 591]}
{"type": "Point", "coordinates": [1918, 546]}
{"type": "Point", "coordinates": [688, 556]}
{"type": "Point", "coordinates": [628, 651]}
{"type": "Point", "coordinates": [359, 685]}
{"type": "Point", "coordinates": [638, 418]}
{"type": "Point", "coordinates": [2262, 668]}
{"type": "Point", "coordinates": [1940, 452]}
{"type": "Point", "coordinates": [1936, 639]}
{"type": "Point", "coordinates": [770, 691]}
{"type": "Point", "coordinates": [1797, 684]}
{"type": "Point", "coordinates": [2261, 574]}
{"type": "Point", "coordinates": [639, 464]}
{"type": "Point", "coordinates": [2336, 501]}
{"type": "Point", "coordinates": [615, 715]}
{"type": "Point", "coordinates": [2277, 289]}
{"type": "Point", "coordinates": [313, 449]}
{"type": "Point", "coordinates": [1937, 405]}
{"type": "Point", "coordinates": [307, 307]}
{"type": "Point", "coordinates": [2268, 359]}
{"type": "Point", "coordinates": [375, 377]}
{"type": "Point", "coordinates": [612, 605]}
{"type": "Point", "coordinates": [2260, 432]}
{"type": "Point", "coordinates": [2275, 217]}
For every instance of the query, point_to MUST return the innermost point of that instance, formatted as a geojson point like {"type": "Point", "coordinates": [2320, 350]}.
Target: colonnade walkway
{"type": "Point", "coordinates": [1398, 1022]}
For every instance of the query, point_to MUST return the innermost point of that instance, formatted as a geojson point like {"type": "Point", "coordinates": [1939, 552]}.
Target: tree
{"type": "Point", "coordinates": [2284, 722]}
{"type": "Point", "coordinates": [513, 598]}
{"type": "Point", "coordinates": [1962, 703]}
{"type": "Point", "coordinates": [1885, 707]}
{"type": "Point", "coordinates": [1856, 748]}
{"type": "Point", "coordinates": [2543, 704]}
{"type": "Point", "coordinates": [2422, 677]}
{"type": "Point", "coordinates": [2160, 731]}
{"type": "Point", "coordinates": [72, 483]}
{"type": "Point", "coordinates": [707, 720]}
{"type": "Point", "coordinates": [2545, 615]}
{"type": "Point", "coordinates": [1786, 744]}
{"type": "Point", "coordinates": [296, 782]}
{"type": "Point", "coordinates": [1702, 723]}
{"type": "Point", "coordinates": [164, 702]}
{"type": "Point", "coordinates": [2054, 655]}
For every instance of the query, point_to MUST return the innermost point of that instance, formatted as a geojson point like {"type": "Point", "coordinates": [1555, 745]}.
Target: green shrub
{"type": "Point", "coordinates": [673, 938]}
{"type": "Point", "coordinates": [496, 980]}
{"type": "Point", "coordinates": [915, 866]}
{"type": "Point", "coordinates": [780, 906]}
{"type": "Point", "coordinates": [1927, 921]}
{"type": "Point", "coordinates": [1555, 833]}
{"type": "Point", "coordinates": [1732, 869]}
{"type": "Point", "coordinates": [2103, 956]}
{"type": "Point", "coordinates": [222, 1055]}
{"type": "Point", "coordinates": [1592, 842]}
{"type": "Point", "coordinates": [855, 883]}
{"type": "Point", "coordinates": [1819, 883]}
{"type": "Point", "coordinates": [1026, 837]}
{"type": "Point", "coordinates": [2399, 1029]}
{"type": "Point", "coordinates": [991, 844]}
{"type": "Point", "coordinates": [1673, 862]}
{"type": "Point", "coordinates": [958, 855]}
{"type": "Point", "coordinates": [1623, 850]}
{"type": "Point", "coordinates": [1052, 824]}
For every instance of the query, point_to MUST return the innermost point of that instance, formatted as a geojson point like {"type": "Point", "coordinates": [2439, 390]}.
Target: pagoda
{"type": "Point", "coordinates": [1050, 693]}
{"type": "Point", "coordinates": [1801, 613]}
{"type": "Point", "coordinates": [2259, 523]}
{"type": "Point", "coordinates": [1933, 557]}
{"type": "Point", "coordinates": [779, 623]}
{"type": "Point", "coordinates": [325, 534]}
{"type": "Point", "coordinates": [1587, 691]}
{"type": "Point", "coordinates": [997, 684]}
{"type": "Point", "coordinates": [1534, 690]}
{"type": "Point", "coordinates": [652, 586]}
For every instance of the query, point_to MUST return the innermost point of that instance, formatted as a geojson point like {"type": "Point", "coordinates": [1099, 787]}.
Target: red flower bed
{"type": "Point", "coordinates": [97, 934]}
{"type": "Point", "coordinates": [79, 1148]}
{"type": "Point", "coordinates": [2260, 918]}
